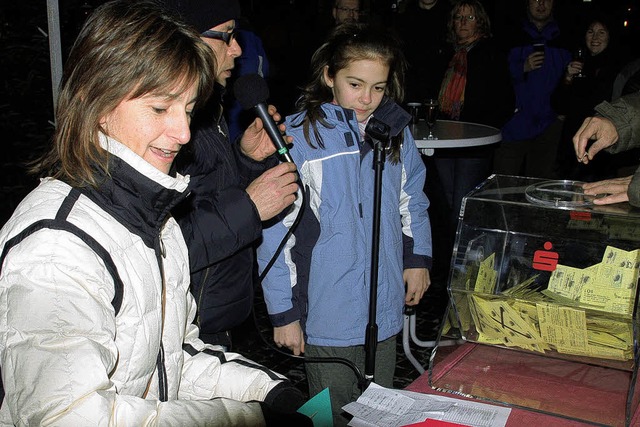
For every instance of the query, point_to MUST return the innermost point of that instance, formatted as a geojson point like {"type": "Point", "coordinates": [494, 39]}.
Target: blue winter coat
{"type": "Point", "coordinates": [533, 89]}
{"type": "Point", "coordinates": [322, 277]}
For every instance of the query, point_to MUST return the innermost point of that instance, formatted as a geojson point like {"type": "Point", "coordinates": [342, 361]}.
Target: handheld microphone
{"type": "Point", "coordinates": [252, 92]}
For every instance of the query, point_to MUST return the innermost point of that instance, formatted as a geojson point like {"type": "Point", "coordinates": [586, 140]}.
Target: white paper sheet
{"type": "Point", "coordinates": [383, 407]}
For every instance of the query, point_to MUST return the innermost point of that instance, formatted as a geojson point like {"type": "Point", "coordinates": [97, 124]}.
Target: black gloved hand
{"type": "Point", "coordinates": [280, 406]}
{"type": "Point", "coordinates": [285, 398]}
{"type": "Point", "coordinates": [276, 418]}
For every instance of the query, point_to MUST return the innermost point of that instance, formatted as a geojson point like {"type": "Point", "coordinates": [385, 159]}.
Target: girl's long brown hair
{"type": "Point", "coordinates": [347, 43]}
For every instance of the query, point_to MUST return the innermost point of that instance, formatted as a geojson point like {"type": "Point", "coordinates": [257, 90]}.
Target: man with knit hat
{"type": "Point", "coordinates": [235, 185]}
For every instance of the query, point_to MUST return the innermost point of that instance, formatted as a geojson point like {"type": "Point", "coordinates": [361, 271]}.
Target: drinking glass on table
{"type": "Point", "coordinates": [414, 110]}
{"type": "Point", "coordinates": [579, 56]}
{"type": "Point", "coordinates": [431, 109]}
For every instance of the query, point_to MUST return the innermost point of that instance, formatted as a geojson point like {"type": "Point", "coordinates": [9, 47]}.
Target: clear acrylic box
{"type": "Point", "coordinates": [543, 291]}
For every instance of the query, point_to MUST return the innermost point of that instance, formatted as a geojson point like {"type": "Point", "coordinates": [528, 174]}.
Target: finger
{"type": "Point", "coordinates": [600, 189]}
{"type": "Point", "coordinates": [613, 198]}
{"type": "Point", "coordinates": [590, 187]}
{"type": "Point", "coordinates": [607, 187]}
{"type": "Point", "coordinates": [411, 299]}
{"type": "Point", "coordinates": [257, 122]}
{"type": "Point", "coordinates": [285, 169]}
{"type": "Point", "coordinates": [580, 140]}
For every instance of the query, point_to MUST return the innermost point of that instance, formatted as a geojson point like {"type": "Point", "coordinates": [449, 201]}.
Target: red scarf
{"type": "Point", "coordinates": [451, 96]}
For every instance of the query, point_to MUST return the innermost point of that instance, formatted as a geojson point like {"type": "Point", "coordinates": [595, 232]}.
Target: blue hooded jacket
{"type": "Point", "coordinates": [534, 89]}
{"type": "Point", "coordinates": [322, 276]}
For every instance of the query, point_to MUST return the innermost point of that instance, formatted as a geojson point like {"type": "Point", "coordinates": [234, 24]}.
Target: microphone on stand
{"type": "Point", "coordinates": [252, 92]}
{"type": "Point", "coordinates": [388, 116]}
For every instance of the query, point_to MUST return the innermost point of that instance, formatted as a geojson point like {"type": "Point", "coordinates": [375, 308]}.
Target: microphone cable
{"type": "Point", "coordinates": [362, 381]}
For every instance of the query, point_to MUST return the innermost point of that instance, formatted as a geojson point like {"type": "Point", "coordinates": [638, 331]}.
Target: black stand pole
{"type": "Point", "coordinates": [379, 133]}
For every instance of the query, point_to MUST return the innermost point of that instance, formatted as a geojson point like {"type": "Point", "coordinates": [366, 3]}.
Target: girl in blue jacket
{"type": "Point", "coordinates": [317, 290]}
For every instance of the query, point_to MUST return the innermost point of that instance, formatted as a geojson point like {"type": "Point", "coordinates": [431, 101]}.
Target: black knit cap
{"type": "Point", "coordinates": [205, 14]}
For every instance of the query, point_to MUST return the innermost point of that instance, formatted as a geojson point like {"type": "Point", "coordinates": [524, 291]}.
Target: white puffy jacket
{"type": "Point", "coordinates": [68, 358]}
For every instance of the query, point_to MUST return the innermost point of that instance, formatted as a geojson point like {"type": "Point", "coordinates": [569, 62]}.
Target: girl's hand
{"type": "Point", "coordinates": [290, 336]}
{"type": "Point", "coordinates": [417, 281]}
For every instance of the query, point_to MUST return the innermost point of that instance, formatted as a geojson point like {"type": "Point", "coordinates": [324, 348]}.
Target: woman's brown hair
{"type": "Point", "coordinates": [125, 50]}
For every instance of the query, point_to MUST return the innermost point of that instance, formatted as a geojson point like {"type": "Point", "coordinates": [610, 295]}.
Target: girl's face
{"type": "Point", "coordinates": [596, 38]}
{"type": "Point", "coordinates": [154, 126]}
{"type": "Point", "coordinates": [465, 25]}
{"type": "Point", "coordinates": [360, 86]}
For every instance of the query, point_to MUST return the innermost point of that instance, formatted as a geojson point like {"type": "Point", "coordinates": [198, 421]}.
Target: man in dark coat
{"type": "Point", "coordinates": [422, 26]}
{"type": "Point", "coordinates": [234, 186]}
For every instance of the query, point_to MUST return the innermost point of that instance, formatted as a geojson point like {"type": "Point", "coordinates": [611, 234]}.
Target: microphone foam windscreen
{"type": "Point", "coordinates": [250, 90]}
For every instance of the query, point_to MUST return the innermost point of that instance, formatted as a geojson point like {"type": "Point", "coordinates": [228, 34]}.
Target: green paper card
{"type": "Point", "coordinates": [318, 408]}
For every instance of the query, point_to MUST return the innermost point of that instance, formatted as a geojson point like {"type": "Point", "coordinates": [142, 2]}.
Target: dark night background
{"type": "Point", "coordinates": [286, 26]}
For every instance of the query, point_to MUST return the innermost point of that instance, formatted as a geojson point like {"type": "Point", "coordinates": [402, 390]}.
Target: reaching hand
{"type": "Point", "coordinates": [255, 142]}
{"type": "Point", "coordinates": [602, 130]}
{"type": "Point", "coordinates": [418, 281]}
{"type": "Point", "coordinates": [616, 190]}
{"type": "Point", "coordinates": [290, 336]}
{"type": "Point", "coordinates": [274, 190]}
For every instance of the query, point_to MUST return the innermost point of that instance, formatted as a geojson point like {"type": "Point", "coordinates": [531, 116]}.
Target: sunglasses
{"type": "Point", "coordinates": [225, 36]}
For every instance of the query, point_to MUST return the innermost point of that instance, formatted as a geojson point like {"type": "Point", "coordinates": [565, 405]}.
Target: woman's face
{"type": "Point", "coordinates": [360, 86]}
{"type": "Point", "coordinates": [596, 38]}
{"type": "Point", "coordinates": [154, 126]}
{"type": "Point", "coordinates": [465, 25]}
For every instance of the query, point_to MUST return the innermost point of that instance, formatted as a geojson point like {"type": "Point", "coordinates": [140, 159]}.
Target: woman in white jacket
{"type": "Point", "coordinates": [95, 312]}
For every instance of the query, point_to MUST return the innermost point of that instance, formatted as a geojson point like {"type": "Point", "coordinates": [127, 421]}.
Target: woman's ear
{"type": "Point", "coordinates": [103, 125]}
{"type": "Point", "coordinates": [325, 76]}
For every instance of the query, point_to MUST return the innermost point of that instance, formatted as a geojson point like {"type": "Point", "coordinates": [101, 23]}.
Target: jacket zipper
{"type": "Point", "coordinates": [163, 393]}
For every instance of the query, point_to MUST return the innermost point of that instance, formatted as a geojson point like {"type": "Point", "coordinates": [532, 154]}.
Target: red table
{"type": "Point", "coordinates": [568, 394]}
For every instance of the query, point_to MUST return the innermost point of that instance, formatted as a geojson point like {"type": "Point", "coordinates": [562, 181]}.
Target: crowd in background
{"type": "Point", "coordinates": [290, 30]}
{"type": "Point", "coordinates": [537, 99]}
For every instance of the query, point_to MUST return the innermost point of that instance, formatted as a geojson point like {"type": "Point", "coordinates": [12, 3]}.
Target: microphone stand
{"type": "Point", "coordinates": [379, 133]}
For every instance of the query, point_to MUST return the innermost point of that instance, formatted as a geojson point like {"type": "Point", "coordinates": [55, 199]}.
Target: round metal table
{"type": "Point", "coordinates": [450, 134]}
{"type": "Point", "coordinates": [453, 134]}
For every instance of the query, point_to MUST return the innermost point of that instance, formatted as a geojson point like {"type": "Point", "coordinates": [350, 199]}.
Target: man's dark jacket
{"type": "Point", "coordinates": [219, 222]}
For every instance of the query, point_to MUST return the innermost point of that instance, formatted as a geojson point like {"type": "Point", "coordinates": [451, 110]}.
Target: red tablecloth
{"type": "Point", "coordinates": [519, 417]}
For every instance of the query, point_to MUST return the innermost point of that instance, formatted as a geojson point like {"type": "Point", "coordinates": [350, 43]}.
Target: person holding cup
{"type": "Point", "coordinates": [536, 59]}
{"type": "Point", "coordinates": [476, 88]}
{"type": "Point", "coordinates": [530, 138]}
{"type": "Point", "coordinates": [585, 84]}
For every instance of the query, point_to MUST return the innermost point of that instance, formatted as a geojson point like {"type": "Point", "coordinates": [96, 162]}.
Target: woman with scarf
{"type": "Point", "coordinates": [476, 88]}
